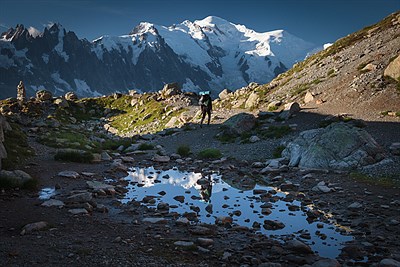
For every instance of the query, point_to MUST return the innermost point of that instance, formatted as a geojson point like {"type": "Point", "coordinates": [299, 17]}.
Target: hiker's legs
{"type": "Point", "coordinates": [209, 116]}
{"type": "Point", "coordinates": [202, 118]}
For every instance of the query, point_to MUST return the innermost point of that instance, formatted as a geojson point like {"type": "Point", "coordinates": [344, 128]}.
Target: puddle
{"type": "Point", "coordinates": [245, 207]}
{"type": "Point", "coordinates": [46, 193]}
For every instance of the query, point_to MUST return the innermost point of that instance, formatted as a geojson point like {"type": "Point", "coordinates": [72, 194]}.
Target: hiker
{"type": "Point", "coordinates": [206, 106]}
{"type": "Point", "coordinates": [206, 190]}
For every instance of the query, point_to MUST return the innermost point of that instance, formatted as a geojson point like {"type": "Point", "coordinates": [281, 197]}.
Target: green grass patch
{"type": "Point", "coordinates": [277, 153]}
{"type": "Point", "coordinates": [385, 181]}
{"type": "Point", "coordinates": [65, 139]}
{"type": "Point", "coordinates": [316, 81]}
{"type": "Point", "coordinates": [6, 183]}
{"type": "Point", "coordinates": [273, 108]}
{"type": "Point", "coordinates": [330, 72]}
{"type": "Point", "coordinates": [300, 89]}
{"type": "Point", "coordinates": [183, 150]}
{"type": "Point", "coordinates": [275, 131]}
{"type": "Point", "coordinates": [245, 137]}
{"type": "Point", "coordinates": [210, 153]}
{"type": "Point", "coordinates": [74, 156]}
{"type": "Point", "coordinates": [226, 136]}
{"type": "Point", "coordinates": [111, 144]}
{"type": "Point", "coordinates": [145, 146]}
{"type": "Point", "coordinates": [16, 144]}
{"type": "Point", "coordinates": [31, 184]}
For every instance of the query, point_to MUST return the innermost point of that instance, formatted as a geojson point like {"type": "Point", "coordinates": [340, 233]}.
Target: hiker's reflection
{"type": "Point", "coordinates": [206, 189]}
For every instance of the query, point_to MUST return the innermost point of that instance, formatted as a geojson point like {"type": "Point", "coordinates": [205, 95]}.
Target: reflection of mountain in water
{"type": "Point", "coordinates": [147, 176]}
{"type": "Point", "coordinates": [246, 207]}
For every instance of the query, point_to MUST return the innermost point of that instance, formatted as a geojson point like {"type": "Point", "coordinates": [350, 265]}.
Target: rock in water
{"type": "Point", "coordinates": [298, 246]}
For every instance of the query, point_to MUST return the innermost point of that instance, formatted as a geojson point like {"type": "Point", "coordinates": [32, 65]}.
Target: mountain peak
{"type": "Point", "coordinates": [143, 27]}
{"type": "Point", "coordinates": [212, 21]}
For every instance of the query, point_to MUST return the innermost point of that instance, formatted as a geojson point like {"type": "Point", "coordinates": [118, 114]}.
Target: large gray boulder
{"type": "Point", "coordinates": [252, 101]}
{"type": "Point", "coordinates": [71, 96]}
{"type": "Point", "coordinates": [339, 146]}
{"type": "Point", "coordinates": [15, 178]}
{"type": "Point", "coordinates": [290, 109]}
{"type": "Point", "coordinates": [224, 94]}
{"type": "Point", "coordinates": [170, 89]}
{"type": "Point", "coordinates": [393, 69]}
{"type": "Point", "coordinates": [43, 95]}
{"type": "Point", "coordinates": [240, 123]}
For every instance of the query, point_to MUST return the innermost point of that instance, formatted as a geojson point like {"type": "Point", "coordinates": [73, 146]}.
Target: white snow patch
{"type": "Point", "coordinates": [122, 44]}
{"type": "Point", "coordinates": [60, 46]}
{"type": "Point", "coordinates": [327, 45]}
{"type": "Point", "coordinates": [57, 78]}
{"type": "Point", "coordinates": [83, 89]}
{"type": "Point", "coordinates": [214, 39]}
{"type": "Point", "coordinates": [34, 32]}
{"type": "Point", "coordinates": [189, 86]}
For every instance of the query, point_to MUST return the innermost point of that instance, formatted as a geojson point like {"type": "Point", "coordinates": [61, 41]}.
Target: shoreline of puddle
{"type": "Point", "coordinates": [249, 208]}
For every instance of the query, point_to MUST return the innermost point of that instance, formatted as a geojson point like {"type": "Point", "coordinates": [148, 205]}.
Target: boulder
{"type": "Point", "coordinates": [224, 94]}
{"type": "Point", "coordinates": [274, 105]}
{"type": "Point", "coordinates": [289, 110]}
{"type": "Point", "coordinates": [389, 263]}
{"type": "Point", "coordinates": [240, 123]}
{"type": "Point", "coordinates": [15, 178]}
{"type": "Point", "coordinates": [43, 95]}
{"type": "Point", "coordinates": [309, 97]}
{"type": "Point", "coordinates": [393, 69]}
{"type": "Point", "coordinates": [37, 226]}
{"type": "Point", "coordinates": [71, 96]}
{"type": "Point", "coordinates": [252, 101]}
{"type": "Point", "coordinates": [339, 146]}
{"type": "Point", "coordinates": [69, 174]}
{"type": "Point", "coordinates": [161, 159]}
{"type": "Point", "coordinates": [80, 198]}
{"type": "Point", "coordinates": [253, 85]}
{"type": "Point", "coordinates": [170, 89]}
{"type": "Point", "coordinates": [61, 102]}
{"type": "Point", "coordinates": [395, 149]}
{"type": "Point", "coordinates": [369, 67]}
{"type": "Point", "coordinates": [299, 247]}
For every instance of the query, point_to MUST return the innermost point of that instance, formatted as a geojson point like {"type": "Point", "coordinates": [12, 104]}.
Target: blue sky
{"type": "Point", "coordinates": [317, 21]}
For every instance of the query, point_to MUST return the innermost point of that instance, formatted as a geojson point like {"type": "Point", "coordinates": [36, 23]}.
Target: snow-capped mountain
{"type": "Point", "coordinates": [209, 54]}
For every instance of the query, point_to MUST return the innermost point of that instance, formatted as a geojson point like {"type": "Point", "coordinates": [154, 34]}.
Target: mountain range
{"type": "Point", "coordinates": [209, 54]}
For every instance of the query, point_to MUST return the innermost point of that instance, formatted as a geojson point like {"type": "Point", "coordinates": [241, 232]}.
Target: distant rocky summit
{"type": "Point", "coordinates": [209, 54]}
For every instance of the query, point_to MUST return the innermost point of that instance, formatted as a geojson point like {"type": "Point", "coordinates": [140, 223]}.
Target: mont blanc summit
{"type": "Point", "coordinates": [208, 54]}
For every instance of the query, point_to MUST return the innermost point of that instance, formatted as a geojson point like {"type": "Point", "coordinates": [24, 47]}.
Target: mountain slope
{"type": "Point", "coordinates": [208, 54]}
{"type": "Point", "coordinates": [348, 77]}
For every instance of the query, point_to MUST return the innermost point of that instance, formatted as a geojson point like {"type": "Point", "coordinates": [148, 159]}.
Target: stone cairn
{"type": "Point", "coordinates": [21, 93]}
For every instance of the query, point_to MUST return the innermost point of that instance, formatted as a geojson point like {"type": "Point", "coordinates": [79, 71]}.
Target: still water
{"type": "Point", "coordinates": [244, 206]}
